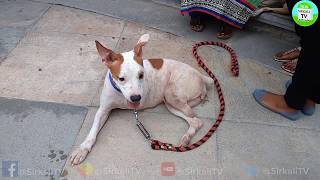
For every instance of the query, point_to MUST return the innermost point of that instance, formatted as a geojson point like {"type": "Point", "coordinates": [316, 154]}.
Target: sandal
{"type": "Point", "coordinates": [225, 32]}
{"type": "Point", "coordinates": [289, 67]}
{"type": "Point", "coordinates": [196, 25]}
{"type": "Point", "coordinates": [286, 56]}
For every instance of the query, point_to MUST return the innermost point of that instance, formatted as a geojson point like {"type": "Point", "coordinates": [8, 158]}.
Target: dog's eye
{"type": "Point", "coordinates": [121, 79]}
{"type": "Point", "coordinates": [141, 76]}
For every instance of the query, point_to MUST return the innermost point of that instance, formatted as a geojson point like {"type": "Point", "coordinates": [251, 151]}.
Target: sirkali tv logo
{"type": "Point", "coordinates": [305, 13]}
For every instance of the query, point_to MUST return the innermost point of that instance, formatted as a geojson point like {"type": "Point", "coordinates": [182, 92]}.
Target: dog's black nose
{"type": "Point", "coordinates": [135, 98]}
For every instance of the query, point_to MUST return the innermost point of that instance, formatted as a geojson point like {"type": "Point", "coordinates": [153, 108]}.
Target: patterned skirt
{"type": "Point", "coordinates": [233, 12]}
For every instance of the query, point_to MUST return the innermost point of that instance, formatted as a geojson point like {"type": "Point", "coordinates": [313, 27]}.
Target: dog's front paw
{"type": "Point", "coordinates": [78, 156]}
{"type": "Point", "coordinates": [185, 140]}
{"type": "Point", "coordinates": [196, 123]}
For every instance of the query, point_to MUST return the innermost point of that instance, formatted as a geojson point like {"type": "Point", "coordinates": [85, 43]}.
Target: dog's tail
{"type": "Point", "coordinates": [207, 80]}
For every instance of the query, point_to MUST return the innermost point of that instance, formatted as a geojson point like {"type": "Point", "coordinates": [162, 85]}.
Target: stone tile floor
{"type": "Point", "coordinates": [56, 61]}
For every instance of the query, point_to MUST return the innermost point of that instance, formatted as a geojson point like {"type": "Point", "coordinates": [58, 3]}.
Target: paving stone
{"type": "Point", "coordinates": [38, 135]}
{"type": "Point", "coordinates": [69, 20]}
{"type": "Point", "coordinates": [16, 17]}
{"type": "Point", "coordinates": [63, 66]}
{"type": "Point", "coordinates": [251, 151]}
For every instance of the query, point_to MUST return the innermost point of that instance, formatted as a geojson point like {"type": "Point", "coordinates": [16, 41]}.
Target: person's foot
{"type": "Point", "coordinates": [289, 67]}
{"type": "Point", "coordinates": [285, 56]}
{"type": "Point", "coordinates": [310, 103]}
{"type": "Point", "coordinates": [276, 103]}
{"type": "Point", "coordinates": [196, 24]}
{"type": "Point", "coordinates": [225, 32]}
{"type": "Point", "coordinates": [310, 106]}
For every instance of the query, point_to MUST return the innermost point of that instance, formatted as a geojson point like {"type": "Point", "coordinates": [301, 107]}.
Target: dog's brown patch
{"type": "Point", "coordinates": [156, 63]}
{"type": "Point", "coordinates": [115, 66]}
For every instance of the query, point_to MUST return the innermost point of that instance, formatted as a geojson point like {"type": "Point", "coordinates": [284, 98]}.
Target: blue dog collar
{"type": "Point", "coordinates": [114, 85]}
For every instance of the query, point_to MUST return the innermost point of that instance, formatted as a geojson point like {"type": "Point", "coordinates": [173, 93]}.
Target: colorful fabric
{"type": "Point", "coordinates": [233, 12]}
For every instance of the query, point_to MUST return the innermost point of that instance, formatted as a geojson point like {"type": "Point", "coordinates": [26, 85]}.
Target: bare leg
{"type": "Point", "coordinates": [270, 2]}
{"type": "Point", "coordinates": [196, 21]}
{"type": "Point", "coordinates": [284, 10]}
{"type": "Point", "coordinates": [225, 31]}
{"type": "Point", "coordinates": [280, 10]}
{"type": "Point", "coordinates": [194, 124]}
{"type": "Point", "coordinates": [100, 118]}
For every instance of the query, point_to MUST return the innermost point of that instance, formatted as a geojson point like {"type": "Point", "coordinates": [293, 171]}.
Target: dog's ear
{"type": "Point", "coordinates": [105, 54]}
{"type": "Point", "coordinates": [144, 39]}
{"type": "Point", "coordinates": [138, 47]}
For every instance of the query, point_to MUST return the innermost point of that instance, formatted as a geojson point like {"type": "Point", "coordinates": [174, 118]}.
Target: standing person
{"type": "Point", "coordinates": [304, 91]}
{"type": "Point", "coordinates": [231, 13]}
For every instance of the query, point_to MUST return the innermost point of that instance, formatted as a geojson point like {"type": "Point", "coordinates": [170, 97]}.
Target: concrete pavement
{"type": "Point", "coordinates": [56, 61]}
{"type": "Point", "coordinates": [36, 137]}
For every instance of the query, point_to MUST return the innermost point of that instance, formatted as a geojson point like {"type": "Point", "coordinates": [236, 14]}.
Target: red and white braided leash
{"type": "Point", "coordinates": [157, 145]}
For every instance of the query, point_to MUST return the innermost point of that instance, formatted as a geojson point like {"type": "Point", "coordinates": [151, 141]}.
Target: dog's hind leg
{"type": "Point", "coordinates": [81, 153]}
{"type": "Point", "coordinates": [194, 123]}
{"type": "Point", "coordinates": [196, 101]}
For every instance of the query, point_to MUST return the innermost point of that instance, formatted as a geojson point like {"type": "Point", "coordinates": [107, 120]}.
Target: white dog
{"type": "Point", "coordinates": [134, 83]}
